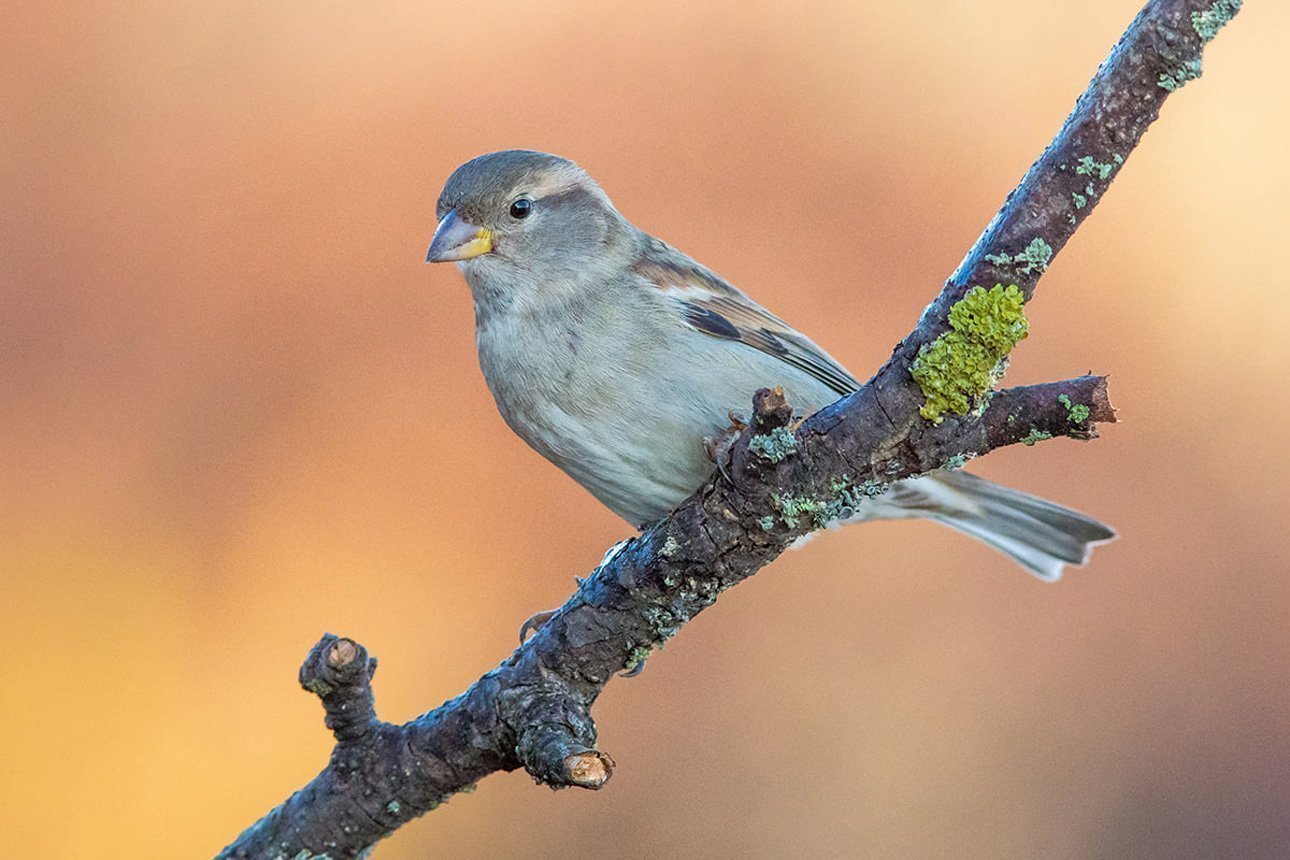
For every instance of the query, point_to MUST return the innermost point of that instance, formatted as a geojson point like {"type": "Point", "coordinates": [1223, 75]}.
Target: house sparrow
{"type": "Point", "coordinates": [615, 356]}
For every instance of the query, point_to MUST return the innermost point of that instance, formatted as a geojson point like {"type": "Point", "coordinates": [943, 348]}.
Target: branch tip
{"type": "Point", "coordinates": [590, 769]}
{"type": "Point", "coordinates": [342, 653]}
{"type": "Point", "coordinates": [1102, 409]}
{"type": "Point", "coordinates": [771, 409]}
{"type": "Point", "coordinates": [339, 672]}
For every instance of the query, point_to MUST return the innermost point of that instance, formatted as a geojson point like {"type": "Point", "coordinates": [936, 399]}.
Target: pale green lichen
{"type": "Point", "coordinates": [963, 364]}
{"type": "Point", "coordinates": [1079, 200]}
{"type": "Point", "coordinates": [1035, 435]}
{"type": "Point", "coordinates": [1188, 70]}
{"type": "Point", "coordinates": [1076, 413]}
{"type": "Point", "coordinates": [793, 508]}
{"type": "Point", "coordinates": [670, 547]}
{"type": "Point", "coordinates": [958, 461]}
{"type": "Point", "coordinates": [638, 655]}
{"type": "Point", "coordinates": [865, 489]}
{"type": "Point", "coordinates": [1090, 166]}
{"type": "Point", "coordinates": [1034, 258]}
{"type": "Point", "coordinates": [393, 807]}
{"type": "Point", "coordinates": [1209, 22]}
{"type": "Point", "coordinates": [664, 622]}
{"type": "Point", "coordinates": [702, 592]}
{"type": "Point", "coordinates": [669, 611]}
{"type": "Point", "coordinates": [846, 498]}
{"type": "Point", "coordinates": [873, 489]}
{"type": "Point", "coordinates": [775, 446]}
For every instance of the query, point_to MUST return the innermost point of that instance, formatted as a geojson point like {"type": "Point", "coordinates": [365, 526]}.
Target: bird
{"type": "Point", "coordinates": [617, 357]}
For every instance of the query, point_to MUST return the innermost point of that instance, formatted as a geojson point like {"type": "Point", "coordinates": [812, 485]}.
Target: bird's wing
{"type": "Point", "coordinates": [716, 308]}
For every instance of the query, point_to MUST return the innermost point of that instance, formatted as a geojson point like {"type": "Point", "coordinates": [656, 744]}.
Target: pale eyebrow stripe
{"type": "Point", "coordinates": [556, 182]}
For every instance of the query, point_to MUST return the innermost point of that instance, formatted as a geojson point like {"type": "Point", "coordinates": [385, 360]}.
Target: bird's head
{"type": "Point", "coordinates": [522, 211]}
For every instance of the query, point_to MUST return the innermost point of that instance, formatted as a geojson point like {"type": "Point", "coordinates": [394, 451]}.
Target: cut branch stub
{"type": "Point", "coordinates": [339, 671]}
{"type": "Point", "coordinates": [771, 409]}
{"type": "Point", "coordinates": [555, 737]}
{"type": "Point", "coordinates": [591, 769]}
{"type": "Point", "coordinates": [1034, 413]}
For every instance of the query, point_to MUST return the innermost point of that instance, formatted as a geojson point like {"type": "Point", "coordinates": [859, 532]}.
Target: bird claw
{"type": "Point", "coordinates": [719, 445]}
{"type": "Point", "coordinates": [534, 622]}
{"type": "Point", "coordinates": [633, 671]}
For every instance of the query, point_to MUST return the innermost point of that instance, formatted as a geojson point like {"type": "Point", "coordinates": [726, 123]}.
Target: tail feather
{"type": "Point", "coordinates": [1039, 535]}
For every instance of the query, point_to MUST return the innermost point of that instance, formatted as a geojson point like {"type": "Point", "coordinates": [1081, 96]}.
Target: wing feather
{"type": "Point", "coordinates": [715, 307]}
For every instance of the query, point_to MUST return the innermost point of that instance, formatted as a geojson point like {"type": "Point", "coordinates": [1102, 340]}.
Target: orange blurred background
{"type": "Point", "coordinates": [238, 411]}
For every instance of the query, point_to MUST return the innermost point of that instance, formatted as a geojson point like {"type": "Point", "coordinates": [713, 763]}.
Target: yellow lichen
{"type": "Point", "coordinates": [963, 364]}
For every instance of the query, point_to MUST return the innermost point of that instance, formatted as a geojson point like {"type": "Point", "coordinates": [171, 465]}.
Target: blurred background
{"type": "Point", "coordinates": [237, 410]}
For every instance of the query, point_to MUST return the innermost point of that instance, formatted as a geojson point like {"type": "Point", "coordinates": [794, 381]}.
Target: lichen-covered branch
{"type": "Point", "coordinates": [931, 406]}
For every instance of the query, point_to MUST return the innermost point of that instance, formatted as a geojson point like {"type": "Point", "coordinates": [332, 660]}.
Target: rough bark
{"type": "Point", "coordinates": [533, 711]}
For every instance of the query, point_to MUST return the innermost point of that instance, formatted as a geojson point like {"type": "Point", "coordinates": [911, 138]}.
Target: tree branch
{"type": "Point", "coordinates": [533, 711]}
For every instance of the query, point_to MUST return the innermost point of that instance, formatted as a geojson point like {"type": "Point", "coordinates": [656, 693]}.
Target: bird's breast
{"type": "Point", "coordinates": [602, 408]}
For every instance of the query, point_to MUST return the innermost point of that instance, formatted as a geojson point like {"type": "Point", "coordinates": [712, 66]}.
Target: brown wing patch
{"type": "Point", "coordinates": [716, 308]}
{"type": "Point", "coordinates": [669, 269]}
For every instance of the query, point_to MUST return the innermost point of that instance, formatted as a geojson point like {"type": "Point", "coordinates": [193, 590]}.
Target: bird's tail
{"type": "Point", "coordinates": [1039, 535]}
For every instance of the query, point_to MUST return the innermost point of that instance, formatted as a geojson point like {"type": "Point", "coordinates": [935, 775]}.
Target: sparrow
{"type": "Point", "coordinates": [615, 356]}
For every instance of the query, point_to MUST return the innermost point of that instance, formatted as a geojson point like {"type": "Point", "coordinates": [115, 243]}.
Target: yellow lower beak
{"type": "Point", "coordinates": [455, 239]}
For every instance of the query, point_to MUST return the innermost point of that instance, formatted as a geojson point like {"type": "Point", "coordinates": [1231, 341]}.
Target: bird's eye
{"type": "Point", "coordinates": [521, 208]}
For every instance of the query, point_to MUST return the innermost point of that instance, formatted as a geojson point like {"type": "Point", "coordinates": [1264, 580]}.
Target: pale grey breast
{"type": "Point", "coordinates": [625, 414]}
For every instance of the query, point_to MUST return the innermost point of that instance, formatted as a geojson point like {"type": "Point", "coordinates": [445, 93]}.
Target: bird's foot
{"type": "Point", "coordinates": [719, 445]}
{"type": "Point", "coordinates": [534, 622]}
{"type": "Point", "coordinates": [633, 671]}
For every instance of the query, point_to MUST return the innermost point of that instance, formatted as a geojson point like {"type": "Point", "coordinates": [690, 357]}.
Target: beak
{"type": "Point", "coordinates": [455, 239]}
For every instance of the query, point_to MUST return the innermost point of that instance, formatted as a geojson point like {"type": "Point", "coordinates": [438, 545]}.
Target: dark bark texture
{"type": "Point", "coordinates": [534, 710]}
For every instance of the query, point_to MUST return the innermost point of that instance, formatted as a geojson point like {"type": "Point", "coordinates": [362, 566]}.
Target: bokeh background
{"type": "Point", "coordinates": [237, 410]}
